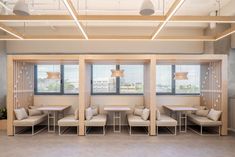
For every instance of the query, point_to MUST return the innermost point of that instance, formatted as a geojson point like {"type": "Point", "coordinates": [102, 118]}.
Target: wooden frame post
{"type": "Point", "coordinates": [224, 103]}
{"type": "Point", "coordinates": [10, 96]}
{"type": "Point", "coordinates": [82, 95]}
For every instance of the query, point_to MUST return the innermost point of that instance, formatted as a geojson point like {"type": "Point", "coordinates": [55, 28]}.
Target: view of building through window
{"type": "Point", "coordinates": [68, 83]}
{"type": "Point", "coordinates": [102, 82]}
{"type": "Point", "coordinates": [133, 81]}
{"type": "Point", "coordinates": [192, 84]}
{"type": "Point", "coordinates": [165, 83]}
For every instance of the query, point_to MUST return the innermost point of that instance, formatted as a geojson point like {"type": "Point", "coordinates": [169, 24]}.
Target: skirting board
{"type": "Point", "coordinates": [231, 129]}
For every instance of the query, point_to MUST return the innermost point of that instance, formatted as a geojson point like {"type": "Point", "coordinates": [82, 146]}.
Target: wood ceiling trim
{"type": "Point", "coordinates": [196, 19]}
{"type": "Point", "coordinates": [225, 33]}
{"type": "Point", "coordinates": [11, 31]}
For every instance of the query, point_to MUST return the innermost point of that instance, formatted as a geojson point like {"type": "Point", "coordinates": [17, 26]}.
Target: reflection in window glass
{"type": "Point", "coordinates": [164, 78]}
{"type": "Point", "coordinates": [45, 85]}
{"type": "Point", "coordinates": [102, 80]}
{"type": "Point", "coordinates": [132, 82]}
{"type": "Point", "coordinates": [71, 79]}
{"type": "Point", "coordinates": [192, 85]}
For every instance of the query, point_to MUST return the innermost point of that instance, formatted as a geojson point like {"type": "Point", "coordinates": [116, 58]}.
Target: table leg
{"type": "Point", "coordinates": [51, 116]}
{"type": "Point", "coordinates": [117, 122]}
{"type": "Point", "coordinates": [182, 119]}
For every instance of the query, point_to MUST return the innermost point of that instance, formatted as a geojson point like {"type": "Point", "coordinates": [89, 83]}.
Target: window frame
{"type": "Point", "coordinates": [117, 85]}
{"type": "Point", "coordinates": [61, 83]}
{"type": "Point", "coordinates": [173, 85]}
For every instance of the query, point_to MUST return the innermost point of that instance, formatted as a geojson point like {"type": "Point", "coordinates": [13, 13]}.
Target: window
{"type": "Point", "coordinates": [131, 83]}
{"type": "Point", "coordinates": [102, 82]}
{"type": "Point", "coordinates": [68, 83]}
{"type": "Point", "coordinates": [165, 84]}
{"type": "Point", "coordinates": [71, 77]}
{"type": "Point", "coordinates": [164, 78]}
{"type": "Point", "coordinates": [192, 85]}
{"type": "Point", "coordinates": [45, 85]}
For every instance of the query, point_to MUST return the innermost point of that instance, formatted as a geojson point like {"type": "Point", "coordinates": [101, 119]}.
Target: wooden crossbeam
{"type": "Point", "coordinates": [176, 19]}
{"type": "Point", "coordinates": [225, 33]}
{"type": "Point", "coordinates": [175, 6]}
{"type": "Point", "coordinates": [111, 37]}
{"type": "Point", "coordinates": [11, 31]}
{"type": "Point", "coordinates": [74, 14]}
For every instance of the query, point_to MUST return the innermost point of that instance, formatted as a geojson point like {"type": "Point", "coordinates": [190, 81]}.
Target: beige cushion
{"type": "Point", "coordinates": [94, 111]}
{"type": "Point", "coordinates": [34, 112]}
{"type": "Point", "coordinates": [30, 121]}
{"type": "Point", "coordinates": [203, 121]}
{"type": "Point", "coordinates": [138, 111]}
{"type": "Point", "coordinates": [99, 120]}
{"type": "Point", "coordinates": [166, 121]}
{"type": "Point", "coordinates": [76, 114]}
{"type": "Point", "coordinates": [21, 114]}
{"type": "Point", "coordinates": [89, 113]}
{"type": "Point", "coordinates": [145, 114]}
{"type": "Point", "coordinates": [214, 115]}
{"type": "Point", "coordinates": [202, 113]}
{"type": "Point", "coordinates": [134, 120]}
{"type": "Point", "coordinates": [158, 115]}
{"type": "Point", "coordinates": [68, 121]}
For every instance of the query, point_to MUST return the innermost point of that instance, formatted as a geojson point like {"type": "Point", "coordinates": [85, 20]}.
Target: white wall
{"type": "Point", "coordinates": [3, 82]}
{"type": "Point", "coordinates": [103, 47]}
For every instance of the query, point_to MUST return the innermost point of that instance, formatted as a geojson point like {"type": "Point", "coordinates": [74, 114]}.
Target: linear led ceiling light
{"type": "Point", "coordinates": [73, 13]}
{"type": "Point", "coordinates": [11, 31]}
{"type": "Point", "coordinates": [176, 5]}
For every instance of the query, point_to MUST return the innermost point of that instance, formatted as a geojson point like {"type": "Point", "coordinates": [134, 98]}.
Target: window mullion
{"type": "Point", "coordinates": [62, 79]}
{"type": "Point", "coordinates": [117, 81]}
{"type": "Point", "coordinates": [173, 80]}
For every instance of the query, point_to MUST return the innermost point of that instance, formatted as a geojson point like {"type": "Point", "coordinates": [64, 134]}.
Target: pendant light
{"type": "Point", "coordinates": [181, 76]}
{"type": "Point", "coordinates": [147, 8]}
{"type": "Point", "coordinates": [53, 75]}
{"type": "Point", "coordinates": [117, 73]}
{"type": "Point", "coordinates": [21, 8]}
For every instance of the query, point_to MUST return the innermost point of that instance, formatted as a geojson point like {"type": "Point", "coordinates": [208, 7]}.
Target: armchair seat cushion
{"type": "Point", "coordinates": [99, 120]}
{"type": "Point", "coordinates": [203, 121]}
{"type": "Point", "coordinates": [30, 121]}
{"type": "Point", "coordinates": [134, 120]}
{"type": "Point", "coordinates": [166, 121]}
{"type": "Point", "coordinates": [68, 121]}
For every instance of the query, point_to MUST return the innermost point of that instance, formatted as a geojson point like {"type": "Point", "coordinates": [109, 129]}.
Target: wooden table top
{"type": "Point", "coordinates": [180, 108]}
{"type": "Point", "coordinates": [53, 107]}
{"type": "Point", "coordinates": [117, 108]}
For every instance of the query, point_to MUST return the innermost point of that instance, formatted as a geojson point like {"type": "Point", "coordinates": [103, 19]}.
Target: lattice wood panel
{"type": "Point", "coordinates": [23, 84]}
{"type": "Point", "coordinates": [211, 93]}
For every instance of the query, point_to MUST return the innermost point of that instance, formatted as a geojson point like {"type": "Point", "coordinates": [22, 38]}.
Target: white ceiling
{"type": "Point", "coordinates": [127, 7]}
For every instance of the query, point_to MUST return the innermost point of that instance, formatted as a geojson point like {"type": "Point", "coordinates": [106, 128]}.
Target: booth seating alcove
{"type": "Point", "coordinates": [20, 92]}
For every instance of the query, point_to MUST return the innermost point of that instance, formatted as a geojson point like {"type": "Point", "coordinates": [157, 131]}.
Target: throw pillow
{"type": "Point", "coordinates": [214, 115]}
{"type": "Point", "coordinates": [145, 114]}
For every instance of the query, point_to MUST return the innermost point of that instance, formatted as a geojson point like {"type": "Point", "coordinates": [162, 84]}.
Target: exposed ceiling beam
{"type": "Point", "coordinates": [111, 37]}
{"type": "Point", "coordinates": [225, 33]}
{"type": "Point", "coordinates": [74, 14]}
{"type": "Point", "coordinates": [175, 6]}
{"type": "Point", "coordinates": [11, 31]}
{"type": "Point", "coordinates": [196, 19]}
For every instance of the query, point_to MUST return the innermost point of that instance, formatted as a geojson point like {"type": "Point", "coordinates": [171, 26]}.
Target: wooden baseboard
{"type": "Point", "coordinates": [3, 124]}
{"type": "Point", "coordinates": [231, 129]}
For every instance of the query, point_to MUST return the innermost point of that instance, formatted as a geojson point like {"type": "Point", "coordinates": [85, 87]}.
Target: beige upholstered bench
{"type": "Point", "coordinates": [166, 121]}
{"type": "Point", "coordinates": [136, 121]}
{"type": "Point", "coordinates": [68, 121]}
{"type": "Point", "coordinates": [204, 122]}
{"type": "Point", "coordinates": [99, 120]}
{"type": "Point", "coordinates": [30, 121]}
